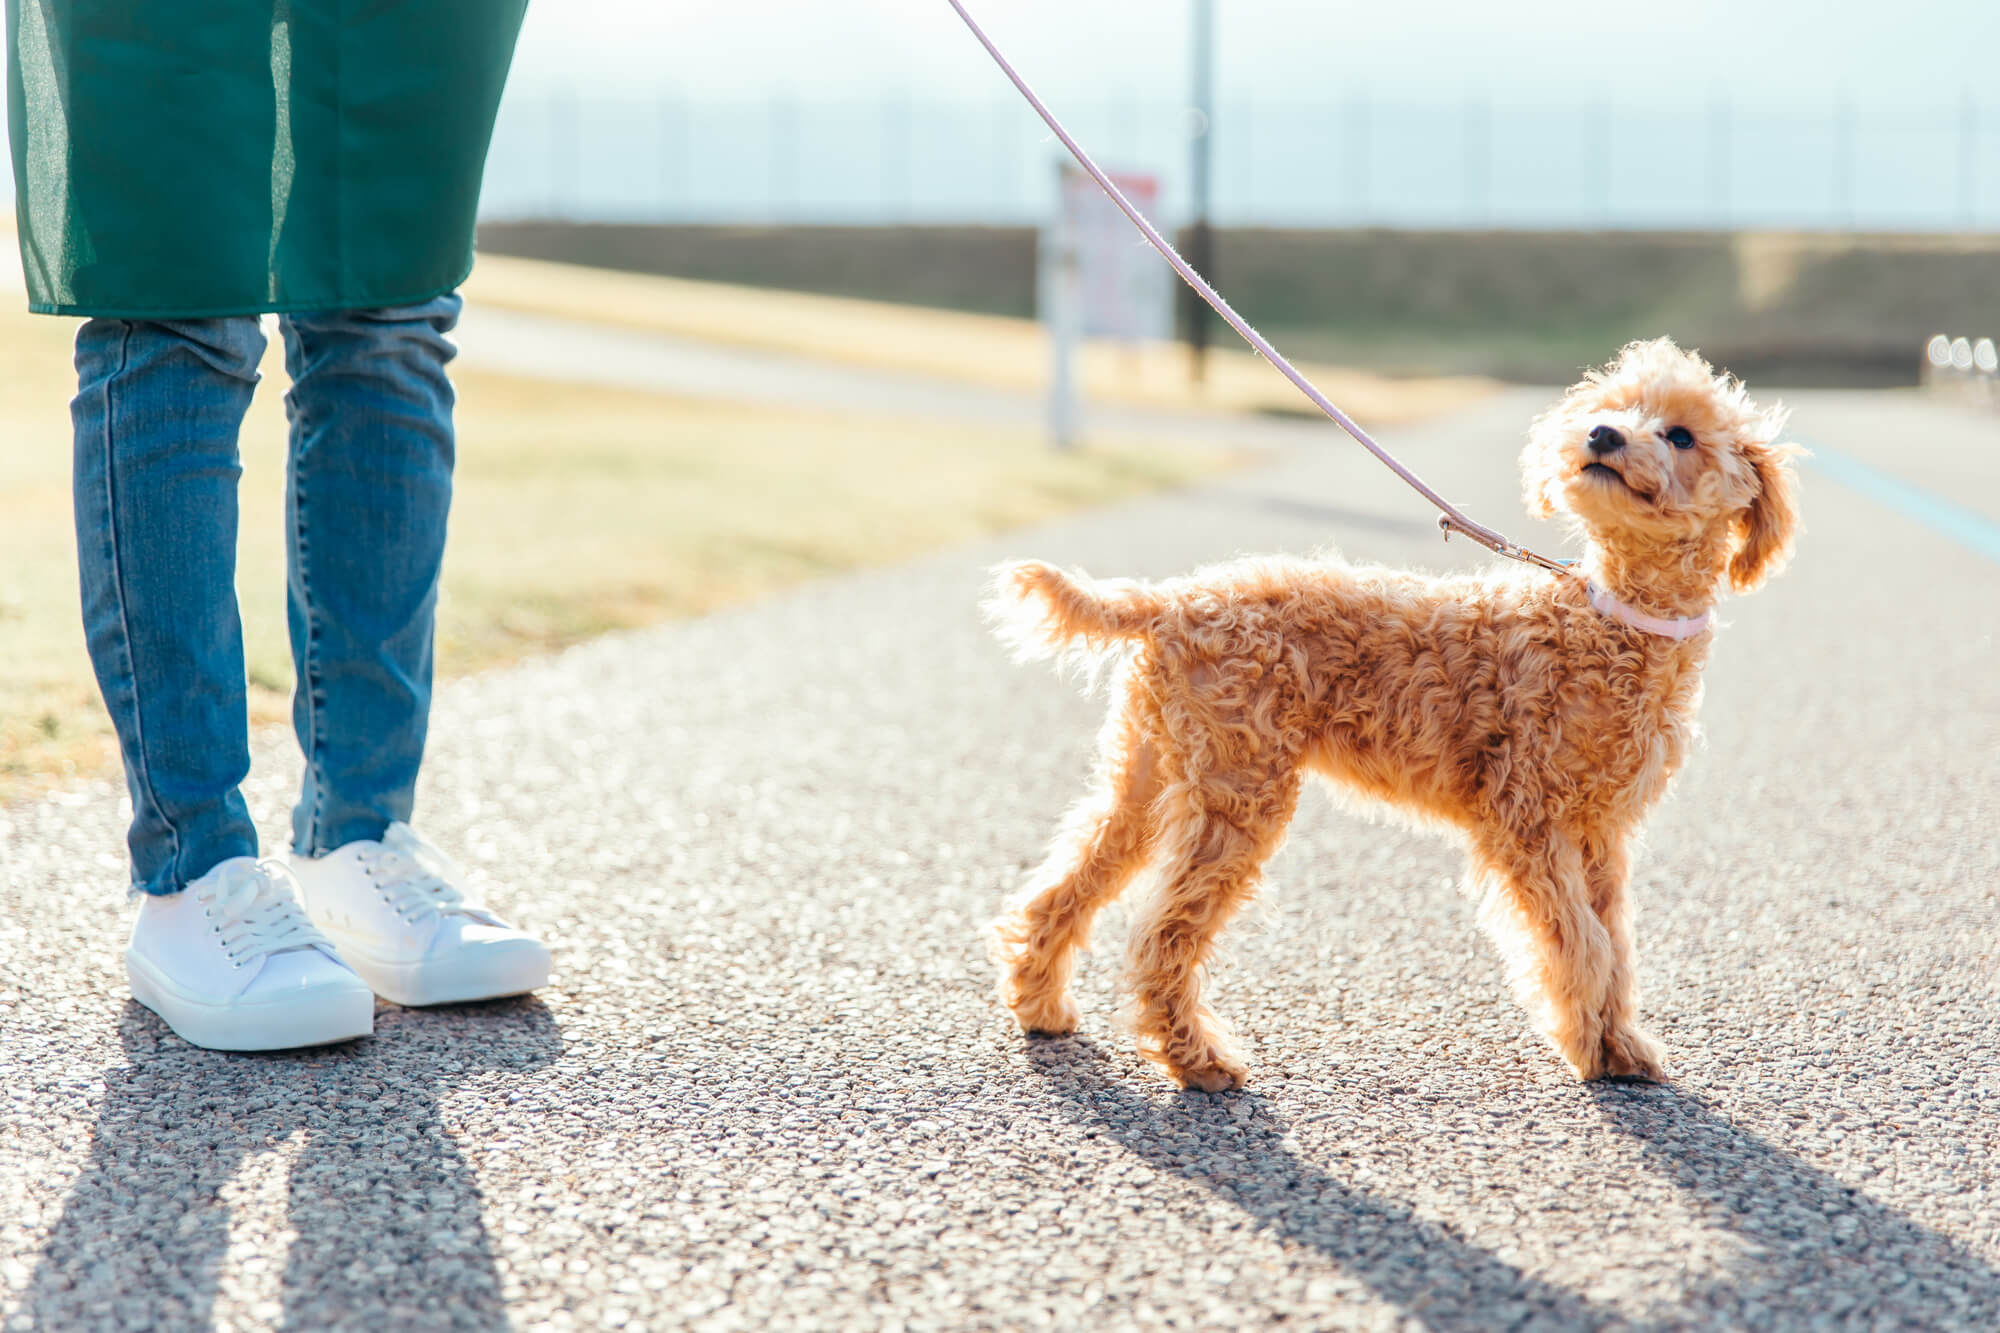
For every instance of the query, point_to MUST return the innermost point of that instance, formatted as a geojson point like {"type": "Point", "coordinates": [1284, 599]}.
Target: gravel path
{"type": "Point", "coordinates": [770, 1089]}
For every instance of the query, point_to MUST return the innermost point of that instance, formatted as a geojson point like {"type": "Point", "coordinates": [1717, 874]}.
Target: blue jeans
{"type": "Point", "coordinates": [157, 410]}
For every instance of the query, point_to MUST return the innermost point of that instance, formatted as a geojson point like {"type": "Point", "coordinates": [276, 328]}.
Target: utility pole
{"type": "Point", "coordinates": [1201, 138]}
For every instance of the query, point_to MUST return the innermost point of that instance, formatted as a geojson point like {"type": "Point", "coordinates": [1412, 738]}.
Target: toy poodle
{"type": "Point", "coordinates": [1539, 715]}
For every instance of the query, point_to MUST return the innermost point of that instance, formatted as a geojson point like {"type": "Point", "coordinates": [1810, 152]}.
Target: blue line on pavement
{"type": "Point", "coordinates": [1962, 525]}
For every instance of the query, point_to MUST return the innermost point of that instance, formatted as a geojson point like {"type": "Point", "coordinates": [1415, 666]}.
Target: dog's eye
{"type": "Point", "coordinates": [1680, 437]}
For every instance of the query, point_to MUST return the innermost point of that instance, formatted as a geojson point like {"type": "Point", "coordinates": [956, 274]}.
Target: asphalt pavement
{"type": "Point", "coordinates": [770, 1088]}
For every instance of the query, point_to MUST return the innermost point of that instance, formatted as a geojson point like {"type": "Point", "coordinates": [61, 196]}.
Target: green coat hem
{"type": "Point", "coordinates": [291, 308]}
{"type": "Point", "coordinates": [210, 158]}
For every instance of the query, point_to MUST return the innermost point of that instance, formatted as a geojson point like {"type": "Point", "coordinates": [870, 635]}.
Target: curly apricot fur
{"type": "Point", "coordinates": [1499, 705]}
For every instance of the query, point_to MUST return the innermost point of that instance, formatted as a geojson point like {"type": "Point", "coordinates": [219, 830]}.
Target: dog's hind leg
{"type": "Point", "coordinates": [1104, 840]}
{"type": "Point", "coordinates": [1537, 907]}
{"type": "Point", "coordinates": [1629, 1051]}
{"type": "Point", "coordinates": [1223, 832]}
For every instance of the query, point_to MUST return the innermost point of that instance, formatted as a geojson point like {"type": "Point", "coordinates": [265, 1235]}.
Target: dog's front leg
{"type": "Point", "coordinates": [1537, 905]}
{"type": "Point", "coordinates": [1629, 1051]}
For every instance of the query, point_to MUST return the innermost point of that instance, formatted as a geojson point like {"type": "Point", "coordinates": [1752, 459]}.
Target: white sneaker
{"type": "Point", "coordinates": [232, 964]}
{"type": "Point", "coordinates": [392, 910]}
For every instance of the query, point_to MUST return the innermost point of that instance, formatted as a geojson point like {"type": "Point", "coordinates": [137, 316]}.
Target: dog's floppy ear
{"type": "Point", "coordinates": [1538, 468]}
{"type": "Point", "coordinates": [1765, 529]}
{"type": "Point", "coordinates": [1535, 494]}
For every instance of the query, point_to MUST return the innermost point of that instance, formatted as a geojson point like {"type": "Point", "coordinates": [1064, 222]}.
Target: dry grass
{"type": "Point", "coordinates": [984, 349]}
{"type": "Point", "coordinates": [579, 510]}
{"type": "Point", "coordinates": [51, 722]}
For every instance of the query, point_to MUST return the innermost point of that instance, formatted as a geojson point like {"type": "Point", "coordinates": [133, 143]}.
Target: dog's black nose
{"type": "Point", "coordinates": [1605, 440]}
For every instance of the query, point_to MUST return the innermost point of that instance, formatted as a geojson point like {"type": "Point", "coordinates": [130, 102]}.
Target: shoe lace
{"type": "Point", "coordinates": [416, 877]}
{"type": "Point", "coordinates": [254, 911]}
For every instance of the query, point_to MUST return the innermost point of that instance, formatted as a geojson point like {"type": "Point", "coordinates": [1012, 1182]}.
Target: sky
{"type": "Point", "coordinates": [1669, 72]}
{"type": "Point", "coordinates": [1757, 51]}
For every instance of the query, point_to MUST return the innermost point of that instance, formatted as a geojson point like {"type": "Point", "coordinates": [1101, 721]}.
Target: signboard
{"type": "Point", "coordinates": [1124, 290]}
{"type": "Point", "coordinates": [1097, 278]}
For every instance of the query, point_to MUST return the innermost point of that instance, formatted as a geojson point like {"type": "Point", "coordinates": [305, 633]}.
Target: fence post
{"type": "Point", "coordinates": [562, 153]}
{"type": "Point", "coordinates": [1360, 152]}
{"type": "Point", "coordinates": [1478, 146]}
{"type": "Point", "coordinates": [1843, 160]}
{"type": "Point", "coordinates": [1597, 159]}
{"type": "Point", "coordinates": [1719, 163]}
{"type": "Point", "coordinates": [1006, 156]}
{"type": "Point", "coordinates": [784, 123]}
{"type": "Point", "coordinates": [896, 155]}
{"type": "Point", "coordinates": [673, 153]}
{"type": "Point", "coordinates": [1968, 162]}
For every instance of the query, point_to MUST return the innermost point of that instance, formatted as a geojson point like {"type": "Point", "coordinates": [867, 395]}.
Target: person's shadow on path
{"type": "Point", "coordinates": [383, 1220]}
{"type": "Point", "coordinates": [1813, 1247]}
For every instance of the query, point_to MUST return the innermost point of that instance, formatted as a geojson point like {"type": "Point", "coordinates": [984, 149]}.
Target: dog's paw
{"type": "Point", "coordinates": [1201, 1055]}
{"type": "Point", "coordinates": [1211, 1066]}
{"type": "Point", "coordinates": [1214, 1076]}
{"type": "Point", "coordinates": [1053, 1015]}
{"type": "Point", "coordinates": [1630, 1056]}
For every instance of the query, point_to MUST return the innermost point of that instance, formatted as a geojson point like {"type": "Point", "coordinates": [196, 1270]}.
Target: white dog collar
{"type": "Point", "coordinates": [1684, 628]}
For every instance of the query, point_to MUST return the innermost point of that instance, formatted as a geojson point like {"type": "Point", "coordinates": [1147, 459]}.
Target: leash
{"type": "Point", "coordinates": [1450, 519]}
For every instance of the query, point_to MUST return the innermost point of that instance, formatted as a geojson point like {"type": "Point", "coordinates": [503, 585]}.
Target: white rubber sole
{"type": "Point", "coordinates": [489, 972]}
{"type": "Point", "coordinates": [320, 1016]}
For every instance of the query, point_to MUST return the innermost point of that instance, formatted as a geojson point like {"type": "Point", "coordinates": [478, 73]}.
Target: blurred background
{"type": "Point", "coordinates": [764, 289]}
{"type": "Point", "coordinates": [1806, 191]}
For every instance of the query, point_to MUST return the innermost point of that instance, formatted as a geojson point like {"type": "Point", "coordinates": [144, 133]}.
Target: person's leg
{"type": "Point", "coordinates": [156, 415]}
{"type": "Point", "coordinates": [370, 487]}
{"type": "Point", "coordinates": [372, 452]}
{"type": "Point", "coordinates": [219, 949]}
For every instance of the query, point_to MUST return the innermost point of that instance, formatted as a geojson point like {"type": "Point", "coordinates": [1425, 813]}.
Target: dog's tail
{"type": "Point", "coordinates": [1039, 610]}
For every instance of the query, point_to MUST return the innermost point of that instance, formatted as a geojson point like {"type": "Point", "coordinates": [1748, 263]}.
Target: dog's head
{"type": "Point", "coordinates": [1656, 456]}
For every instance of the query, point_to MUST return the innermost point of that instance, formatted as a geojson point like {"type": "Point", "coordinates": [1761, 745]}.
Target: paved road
{"type": "Point", "coordinates": [770, 1089]}
{"type": "Point", "coordinates": [516, 343]}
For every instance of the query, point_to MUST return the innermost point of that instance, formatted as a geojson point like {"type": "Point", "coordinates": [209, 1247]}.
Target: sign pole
{"type": "Point", "coordinates": [1201, 238]}
{"type": "Point", "coordinates": [1064, 288]}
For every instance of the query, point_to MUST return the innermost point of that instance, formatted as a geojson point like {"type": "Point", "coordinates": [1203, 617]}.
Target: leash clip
{"type": "Point", "coordinates": [1449, 523]}
{"type": "Point", "coordinates": [1494, 542]}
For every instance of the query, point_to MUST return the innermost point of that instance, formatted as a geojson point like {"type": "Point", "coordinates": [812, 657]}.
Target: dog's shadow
{"type": "Point", "coordinates": [1238, 1147]}
{"type": "Point", "coordinates": [382, 1222]}
{"type": "Point", "coordinates": [1810, 1248]}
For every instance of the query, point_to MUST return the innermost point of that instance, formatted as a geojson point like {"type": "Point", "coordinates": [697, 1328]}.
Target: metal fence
{"type": "Point", "coordinates": [1355, 160]}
